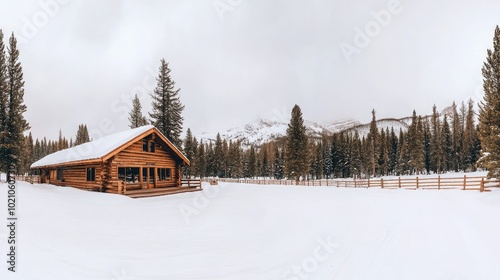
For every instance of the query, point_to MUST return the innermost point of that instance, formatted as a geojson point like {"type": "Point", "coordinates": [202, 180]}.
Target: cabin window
{"type": "Point", "coordinates": [148, 146]}
{"type": "Point", "coordinates": [128, 174]}
{"type": "Point", "coordinates": [164, 174]}
{"type": "Point", "coordinates": [59, 174]}
{"type": "Point", "coordinates": [91, 174]}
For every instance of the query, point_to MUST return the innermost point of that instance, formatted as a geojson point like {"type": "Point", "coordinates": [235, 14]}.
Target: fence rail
{"type": "Point", "coordinates": [478, 183]}
{"type": "Point", "coordinates": [191, 183]}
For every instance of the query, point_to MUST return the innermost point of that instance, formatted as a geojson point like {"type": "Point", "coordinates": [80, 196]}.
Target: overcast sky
{"type": "Point", "coordinates": [237, 61]}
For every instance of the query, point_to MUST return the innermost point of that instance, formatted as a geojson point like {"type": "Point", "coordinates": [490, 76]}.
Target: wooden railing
{"type": "Point", "coordinates": [28, 178]}
{"type": "Point", "coordinates": [191, 183]}
{"type": "Point", "coordinates": [478, 183]}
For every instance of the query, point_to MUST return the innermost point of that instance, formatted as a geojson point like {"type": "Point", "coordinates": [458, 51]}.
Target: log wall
{"type": "Point", "coordinates": [76, 176]}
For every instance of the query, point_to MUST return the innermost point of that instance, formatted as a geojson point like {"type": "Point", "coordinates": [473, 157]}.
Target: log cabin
{"type": "Point", "coordinates": [139, 162]}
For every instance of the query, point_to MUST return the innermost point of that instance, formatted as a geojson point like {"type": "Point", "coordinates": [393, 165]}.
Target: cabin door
{"type": "Point", "coordinates": [148, 177]}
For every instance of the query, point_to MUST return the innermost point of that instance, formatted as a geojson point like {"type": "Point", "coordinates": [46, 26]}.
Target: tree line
{"type": "Point", "coordinates": [431, 144]}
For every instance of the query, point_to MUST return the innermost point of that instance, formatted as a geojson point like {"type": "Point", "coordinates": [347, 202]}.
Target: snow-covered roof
{"type": "Point", "coordinates": [99, 148]}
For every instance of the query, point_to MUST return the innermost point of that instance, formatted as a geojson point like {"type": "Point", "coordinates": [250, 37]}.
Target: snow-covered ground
{"type": "Point", "coordinates": [237, 231]}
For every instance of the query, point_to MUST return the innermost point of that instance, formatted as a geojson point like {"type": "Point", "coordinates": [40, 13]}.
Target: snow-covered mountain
{"type": "Point", "coordinates": [263, 131]}
{"type": "Point", "coordinates": [254, 133]}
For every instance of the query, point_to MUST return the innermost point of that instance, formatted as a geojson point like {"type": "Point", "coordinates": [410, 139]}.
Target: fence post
{"type": "Point", "coordinates": [439, 182]}
{"type": "Point", "coordinates": [368, 182]}
{"type": "Point", "coordinates": [355, 185]}
{"type": "Point", "coordinates": [481, 188]}
{"type": "Point", "coordinates": [417, 182]}
{"type": "Point", "coordinates": [399, 182]}
{"type": "Point", "coordinates": [465, 181]}
{"type": "Point", "coordinates": [381, 183]}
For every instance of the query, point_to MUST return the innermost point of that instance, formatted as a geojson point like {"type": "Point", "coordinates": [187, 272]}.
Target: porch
{"type": "Point", "coordinates": [138, 191]}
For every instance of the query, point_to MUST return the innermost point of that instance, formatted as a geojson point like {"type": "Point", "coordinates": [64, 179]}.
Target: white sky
{"type": "Point", "coordinates": [84, 60]}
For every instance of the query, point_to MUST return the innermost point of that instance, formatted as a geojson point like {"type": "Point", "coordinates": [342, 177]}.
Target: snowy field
{"type": "Point", "coordinates": [255, 232]}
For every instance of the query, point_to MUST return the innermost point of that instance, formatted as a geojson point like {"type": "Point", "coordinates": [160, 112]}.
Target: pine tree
{"type": "Point", "coordinates": [356, 158]}
{"type": "Point", "coordinates": [62, 142]}
{"type": "Point", "coordinates": [189, 152]}
{"type": "Point", "coordinates": [265, 163]}
{"type": "Point", "coordinates": [336, 155]}
{"type": "Point", "coordinates": [278, 164]}
{"type": "Point", "coordinates": [27, 154]}
{"type": "Point", "coordinates": [477, 149]}
{"type": "Point", "coordinates": [373, 145]}
{"type": "Point", "coordinates": [402, 153]}
{"type": "Point", "coordinates": [3, 103]}
{"type": "Point", "coordinates": [218, 160]}
{"type": "Point", "coordinates": [489, 112]}
{"type": "Point", "coordinates": [167, 107]}
{"type": "Point", "coordinates": [210, 160]}
{"type": "Point", "coordinates": [44, 147]}
{"type": "Point", "coordinates": [16, 123]}
{"type": "Point", "coordinates": [327, 157]}
{"type": "Point", "coordinates": [244, 168]}
{"type": "Point", "coordinates": [37, 151]}
{"type": "Point", "coordinates": [416, 149]}
{"type": "Point", "coordinates": [201, 164]}
{"type": "Point", "coordinates": [345, 155]}
{"type": "Point", "coordinates": [446, 143]}
{"type": "Point", "coordinates": [258, 166]}
{"type": "Point", "coordinates": [436, 145]}
{"type": "Point", "coordinates": [457, 138]}
{"type": "Point", "coordinates": [427, 146]}
{"type": "Point", "coordinates": [225, 163]}
{"type": "Point", "coordinates": [296, 160]}
{"type": "Point", "coordinates": [252, 163]}
{"type": "Point", "coordinates": [135, 117]}
{"type": "Point", "coordinates": [82, 135]}
{"type": "Point", "coordinates": [194, 158]}
{"type": "Point", "coordinates": [471, 151]}
{"type": "Point", "coordinates": [420, 147]}
{"type": "Point", "coordinates": [383, 157]}
{"type": "Point", "coordinates": [234, 160]}
{"type": "Point", "coordinates": [316, 163]}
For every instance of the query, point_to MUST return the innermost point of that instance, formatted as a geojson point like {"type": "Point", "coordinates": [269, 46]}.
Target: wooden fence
{"type": "Point", "coordinates": [30, 178]}
{"type": "Point", "coordinates": [189, 183]}
{"type": "Point", "coordinates": [477, 183]}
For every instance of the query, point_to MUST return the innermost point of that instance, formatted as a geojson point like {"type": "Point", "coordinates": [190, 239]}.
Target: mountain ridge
{"type": "Point", "coordinates": [262, 131]}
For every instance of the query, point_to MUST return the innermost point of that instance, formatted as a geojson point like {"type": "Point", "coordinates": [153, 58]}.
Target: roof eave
{"type": "Point", "coordinates": [72, 163]}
